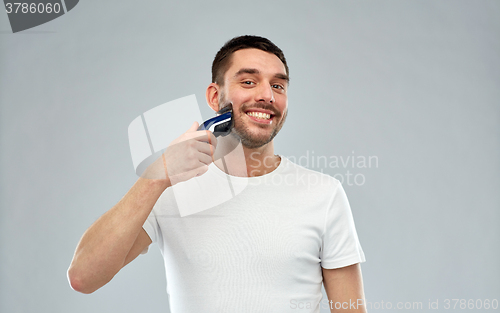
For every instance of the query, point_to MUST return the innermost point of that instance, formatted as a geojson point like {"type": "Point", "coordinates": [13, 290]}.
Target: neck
{"type": "Point", "coordinates": [242, 161]}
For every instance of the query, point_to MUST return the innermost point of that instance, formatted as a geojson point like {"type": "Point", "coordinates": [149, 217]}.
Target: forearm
{"type": "Point", "coordinates": [103, 248]}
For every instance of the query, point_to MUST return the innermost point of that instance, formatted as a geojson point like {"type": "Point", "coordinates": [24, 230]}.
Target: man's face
{"type": "Point", "coordinates": [256, 83]}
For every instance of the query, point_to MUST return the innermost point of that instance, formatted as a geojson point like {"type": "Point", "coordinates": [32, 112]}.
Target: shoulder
{"type": "Point", "coordinates": [308, 177]}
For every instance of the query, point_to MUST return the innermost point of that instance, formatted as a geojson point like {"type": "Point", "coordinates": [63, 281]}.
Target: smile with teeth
{"type": "Point", "coordinates": [260, 115]}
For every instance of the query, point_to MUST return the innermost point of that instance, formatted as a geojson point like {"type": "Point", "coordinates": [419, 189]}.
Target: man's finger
{"type": "Point", "coordinates": [206, 148]}
{"type": "Point", "coordinates": [205, 136]}
{"type": "Point", "coordinates": [205, 159]}
{"type": "Point", "coordinates": [200, 135]}
{"type": "Point", "coordinates": [193, 127]}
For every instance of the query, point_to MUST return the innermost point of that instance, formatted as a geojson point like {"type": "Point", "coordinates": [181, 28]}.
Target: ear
{"type": "Point", "coordinates": [212, 96]}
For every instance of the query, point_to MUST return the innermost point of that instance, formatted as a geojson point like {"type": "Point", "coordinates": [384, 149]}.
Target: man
{"type": "Point", "coordinates": [267, 249]}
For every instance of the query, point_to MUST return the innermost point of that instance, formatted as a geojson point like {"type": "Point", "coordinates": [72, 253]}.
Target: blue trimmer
{"type": "Point", "coordinates": [220, 125]}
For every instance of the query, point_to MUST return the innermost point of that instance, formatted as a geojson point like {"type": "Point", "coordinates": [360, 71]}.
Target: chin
{"type": "Point", "coordinates": [252, 141]}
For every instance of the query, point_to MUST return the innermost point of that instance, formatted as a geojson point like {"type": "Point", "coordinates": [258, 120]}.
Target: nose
{"type": "Point", "coordinates": [265, 93]}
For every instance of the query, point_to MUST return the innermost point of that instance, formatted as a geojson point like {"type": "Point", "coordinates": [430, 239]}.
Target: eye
{"type": "Point", "coordinates": [248, 82]}
{"type": "Point", "coordinates": [278, 86]}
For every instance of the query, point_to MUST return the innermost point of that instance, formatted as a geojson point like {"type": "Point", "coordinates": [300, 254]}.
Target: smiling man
{"type": "Point", "coordinates": [267, 249]}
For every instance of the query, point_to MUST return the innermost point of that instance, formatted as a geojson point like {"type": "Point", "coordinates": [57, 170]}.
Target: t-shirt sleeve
{"type": "Point", "coordinates": [152, 228]}
{"type": "Point", "coordinates": [340, 245]}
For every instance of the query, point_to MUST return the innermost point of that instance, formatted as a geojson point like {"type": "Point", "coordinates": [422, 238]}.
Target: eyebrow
{"type": "Point", "coordinates": [256, 71]}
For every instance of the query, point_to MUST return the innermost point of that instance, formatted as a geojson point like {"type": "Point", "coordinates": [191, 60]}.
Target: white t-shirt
{"type": "Point", "coordinates": [259, 250]}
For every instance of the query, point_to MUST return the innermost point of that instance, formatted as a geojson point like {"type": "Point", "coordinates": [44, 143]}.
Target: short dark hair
{"type": "Point", "coordinates": [222, 60]}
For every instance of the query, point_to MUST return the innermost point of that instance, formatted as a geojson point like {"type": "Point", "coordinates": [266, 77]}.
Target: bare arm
{"type": "Point", "coordinates": [344, 287]}
{"type": "Point", "coordinates": [115, 239]}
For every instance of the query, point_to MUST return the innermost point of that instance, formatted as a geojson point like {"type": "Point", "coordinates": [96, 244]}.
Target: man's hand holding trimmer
{"type": "Point", "coordinates": [186, 157]}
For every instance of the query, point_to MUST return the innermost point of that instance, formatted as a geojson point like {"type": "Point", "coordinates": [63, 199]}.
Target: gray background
{"type": "Point", "coordinates": [415, 83]}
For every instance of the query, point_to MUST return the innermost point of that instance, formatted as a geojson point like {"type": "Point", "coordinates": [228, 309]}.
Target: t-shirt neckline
{"type": "Point", "coordinates": [276, 171]}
